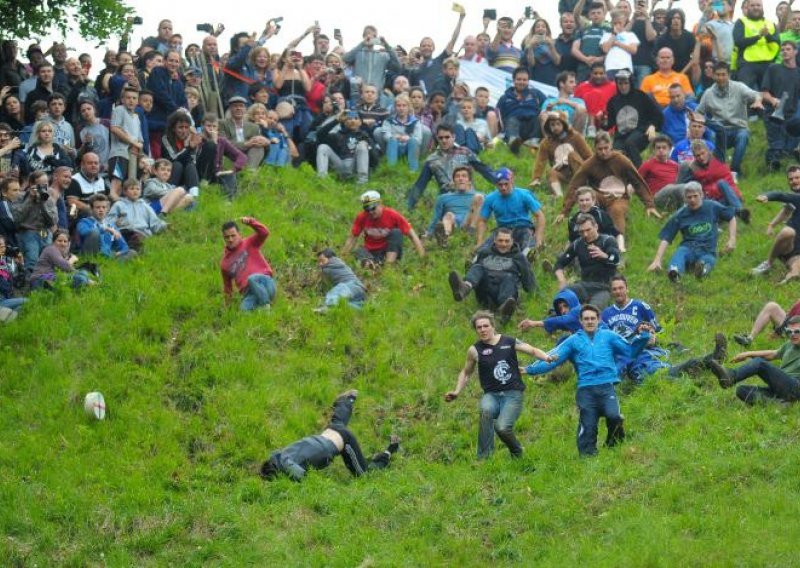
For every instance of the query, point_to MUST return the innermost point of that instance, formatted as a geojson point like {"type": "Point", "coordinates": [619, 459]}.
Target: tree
{"type": "Point", "coordinates": [93, 19]}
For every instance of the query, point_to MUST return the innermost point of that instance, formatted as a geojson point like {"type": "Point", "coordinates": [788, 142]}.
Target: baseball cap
{"type": "Point", "coordinates": [503, 174]}
{"type": "Point", "coordinates": [237, 99]}
{"type": "Point", "coordinates": [623, 74]}
{"type": "Point", "coordinates": [370, 199]}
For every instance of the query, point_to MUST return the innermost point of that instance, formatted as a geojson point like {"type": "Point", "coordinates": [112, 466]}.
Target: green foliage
{"type": "Point", "coordinates": [199, 394]}
{"type": "Point", "coordinates": [93, 19]}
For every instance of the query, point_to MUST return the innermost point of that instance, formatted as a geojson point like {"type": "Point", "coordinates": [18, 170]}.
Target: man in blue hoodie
{"type": "Point", "coordinates": [567, 310]}
{"type": "Point", "coordinates": [519, 108]}
{"type": "Point", "coordinates": [593, 352]}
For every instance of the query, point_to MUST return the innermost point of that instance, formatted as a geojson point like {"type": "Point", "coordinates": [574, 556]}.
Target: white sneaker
{"type": "Point", "coordinates": [762, 268]}
{"type": "Point", "coordinates": [735, 176]}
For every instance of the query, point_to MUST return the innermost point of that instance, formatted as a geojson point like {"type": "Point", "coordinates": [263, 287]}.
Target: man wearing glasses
{"type": "Point", "coordinates": [441, 164]}
{"type": "Point", "coordinates": [783, 382]}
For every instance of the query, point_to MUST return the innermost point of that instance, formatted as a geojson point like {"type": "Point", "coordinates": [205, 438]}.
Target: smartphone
{"type": "Point", "coordinates": [718, 6]}
{"type": "Point", "coordinates": [316, 23]}
{"type": "Point", "coordinates": [528, 12]}
{"type": "Point", "coordinates": [490, 14]}
{"type": "Point", "coordinates": [458, 8]}
{"type": "Point", "coordinates": [277, 20]}
{"type": "Point", "coordinates": [337, 32]}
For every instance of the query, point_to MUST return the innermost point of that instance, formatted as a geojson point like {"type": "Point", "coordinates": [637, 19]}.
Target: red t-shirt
{"type": "Point", "coordinates": [596, 97]}
{"type": "Point", "coordinates": [658, 174]}
{"type": "Point", "coordinates": [376, 231]}
{"type": "Point", "coordinates": [240, 263]}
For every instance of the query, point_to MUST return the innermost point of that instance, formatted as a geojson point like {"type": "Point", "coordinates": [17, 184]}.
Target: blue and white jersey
{"type": "Point", "coordinates": [624, 321]}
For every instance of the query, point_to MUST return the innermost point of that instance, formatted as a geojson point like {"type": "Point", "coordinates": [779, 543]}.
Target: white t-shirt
{"type": "Point", "coordinates": [617, 58]}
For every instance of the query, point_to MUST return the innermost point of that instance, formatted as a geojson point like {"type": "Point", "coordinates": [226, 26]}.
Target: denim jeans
{"type": "Point", "coordinates": [499, 412]}
{"type": "Point", "coordinates": [260, 292]}
{"type": "Point", "coordinates": [344, 166]}
{"type": "Point", "coordinates": [730, 137]}
{"type": "Point", "coordinates": [32, 244]}
{"type": "Point", "coordinates": [278, 155]}
{"type": "Point", "coordinates": [684, 255]}
{"type": "Point", "coordinates": [731, 199]}
{"type": "Point", "coordinates": [410, 149]}
{"type": "Point", "coordinates": [780, 385]}
{"type": "Point", "coordinates": [467, 137]}
{"type": "Point", "coordinates": [593, 402]}
{"type": "Point", "coordinates": [13, 303]}
{"type": "Point", "coordinates": [350, 291]}
{"type": "Point", "coordinates": [639, 73]}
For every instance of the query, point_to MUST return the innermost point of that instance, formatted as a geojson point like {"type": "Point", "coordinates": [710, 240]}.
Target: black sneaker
{"type": "Point", "coordinates": [547, 266]}
{"type": "Point", "coordinates": [720, 352]}
{"type": "Point", "coordinates": [722, 374]}
{"type": "Point", "coordinates": [507, 308]}
{"type": "Point", "coordinates": [674, 276]}
{"type": "Point", "coordinates": [394, 444]}
{"type": "Point", "coordinates": [440, 234]}
{"type": "Point", "coordinates": [459, 288]}
{"type": "Point", "coordinates": [744, 215]}
{"type": "Point", "coordinates": [743, 339]}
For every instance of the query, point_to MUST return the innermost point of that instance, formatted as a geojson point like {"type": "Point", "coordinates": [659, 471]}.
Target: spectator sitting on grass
{"type": "Point", "coordinates": [161, 195]}
{"type": "Point", "coordinates": [134, 217]}
{"type": "Point", "coordinates": [57, 257]}
{"type": "Point", "coordinates": [347, 149]}
{"type": "Point", "coordinates": [99, 235]}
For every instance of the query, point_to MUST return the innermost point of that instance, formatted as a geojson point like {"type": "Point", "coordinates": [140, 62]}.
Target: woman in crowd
{"type": "Point", "coordinates": [44, 154]}
{"type": "Point", "coordinates": [401, 134]}
{"type": "Point", "coordinates": [12, 111]}
{"type": "Point", "coordinates": [541, 54]}
{"type": "Point", "coordinates": [57, 258]}
{"type": "Point", "coordinates": [188, 151]}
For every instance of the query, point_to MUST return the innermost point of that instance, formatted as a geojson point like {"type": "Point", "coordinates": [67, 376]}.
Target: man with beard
{"type": "Point", "coordinates": [758, 43]}
{"type": "Point", "coordinates": [786, 246]}
{"type": "Point", "coordinates": [563, 148]}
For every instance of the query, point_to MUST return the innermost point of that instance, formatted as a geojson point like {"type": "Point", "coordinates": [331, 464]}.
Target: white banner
{"type": "Point", "coordinates": [481, 75]}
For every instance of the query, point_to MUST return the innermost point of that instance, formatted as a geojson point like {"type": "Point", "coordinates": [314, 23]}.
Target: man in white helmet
{"type": "Point", "coordinates": [383, 230]}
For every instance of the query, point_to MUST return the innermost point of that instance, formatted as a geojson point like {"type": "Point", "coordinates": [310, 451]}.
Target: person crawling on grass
{"type": "Point", "coordinates": [495, 355]}
{"type": "Point", "coordinates": [244, 264]}
{"type": "Point", "coordinates": [346, 285]}
{"type": "Point", "coordinates": [593, 352]}
{"type": "Point", "coordinates": [319, 451]}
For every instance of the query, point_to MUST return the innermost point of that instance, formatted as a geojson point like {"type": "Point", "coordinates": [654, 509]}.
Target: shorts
{"type": "Point", "coordinates": [155, 205]}
{"type": "Point", "coordinates": [118, 168]}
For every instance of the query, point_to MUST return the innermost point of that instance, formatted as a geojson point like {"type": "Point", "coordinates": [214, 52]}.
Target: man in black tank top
{"type": "Point", "coordinates": [498, 370]}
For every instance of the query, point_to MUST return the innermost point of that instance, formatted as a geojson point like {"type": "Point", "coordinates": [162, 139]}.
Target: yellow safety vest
{"type": "Point", "coordinates": [762, 51]}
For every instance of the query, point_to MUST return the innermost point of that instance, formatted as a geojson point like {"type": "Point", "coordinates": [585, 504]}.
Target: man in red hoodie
{"type": "Point", "coordinates": [242, 263]}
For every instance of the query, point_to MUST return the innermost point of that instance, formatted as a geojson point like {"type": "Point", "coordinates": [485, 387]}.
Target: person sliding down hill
{"type": "Point", "coordinates": [319, 451]}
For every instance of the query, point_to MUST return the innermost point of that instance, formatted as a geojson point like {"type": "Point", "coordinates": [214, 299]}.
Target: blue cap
{"type": "Point", "coordinates": [503, 174]}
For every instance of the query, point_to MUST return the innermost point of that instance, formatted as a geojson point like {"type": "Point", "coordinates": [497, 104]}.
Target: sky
{"type": "Point", "coordinates": [400, 22]}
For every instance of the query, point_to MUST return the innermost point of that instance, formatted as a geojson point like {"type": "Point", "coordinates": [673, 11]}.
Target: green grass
{"type": "Point", "coordinates": [199, 394]}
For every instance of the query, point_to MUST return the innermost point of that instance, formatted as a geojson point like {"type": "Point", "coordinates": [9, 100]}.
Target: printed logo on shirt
{"type": "Point", "coordinates": [502, 372]}
{"type": "Point", "coordinates": [487, 351]}
{"type": "Point", "coordinates": [700, 228]}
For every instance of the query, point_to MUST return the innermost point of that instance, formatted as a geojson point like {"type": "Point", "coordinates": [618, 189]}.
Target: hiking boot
{"type": "Point", "coordinates": [673, 275]}
{"type": "Point", "coordinates": [440, 234]}
{"type": "Point", "coordinates": [531, 255]}
{"type": "Point", "coordinates": [744, 215]}
{"type": "Point", "coordinates": [514, 145]}
{"type": "Point", "coordinates": [762, 268]}
{"type": "Point", "coordinates": [725, 379]}
{"type": "Point", "coordinates": [507, 308]}
{"type": "Point", "coordinates": [701, 270]}
{"type": "Point", "coordinates": [743, 339]}
{"type": "Point", "coordinates": [459, 287]}
{"type": "Point", "coordinates": [720, 352]}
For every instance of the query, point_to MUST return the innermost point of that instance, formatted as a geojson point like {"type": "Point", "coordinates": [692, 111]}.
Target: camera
{"type": "Point", "coordinates": [13, 252]}
{"type": "Point", "coordinates": [208, 28]}
{"type": "Point", "coordinates": [137, 21]}
{"type": "Point", "coordinates": [41, 191]}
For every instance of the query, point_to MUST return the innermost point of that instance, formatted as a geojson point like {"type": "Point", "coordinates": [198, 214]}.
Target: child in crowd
{"type": "Point", "coordinates": [162, 196]}
{"type": "Point", "coordinates": [470, 131]}
{"type": "Point", "coordinates": [93, 135]}
{"type": "Point", "coordinates": [134, 217]}
{"type": "Point", "coordinates": [126, 139]}
{"type": "Point", "coordinates": [485, 111]}
{"type": "Point", "coordinates": [99, 234]}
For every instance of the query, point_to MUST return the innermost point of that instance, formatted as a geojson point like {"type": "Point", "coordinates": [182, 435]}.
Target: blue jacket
{"type": "Point", "coordinates": [571, 320]}
{"type": "Point", "coordinates": [109, 246]}
{"type": "Point", "coordinates": [168, 94]}
{"type": "Point", "coordinates": [592, 357]}
{"type": "Point", "coordinates": [529, 107]}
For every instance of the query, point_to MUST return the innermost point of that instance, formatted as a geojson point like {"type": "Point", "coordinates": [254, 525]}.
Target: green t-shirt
{"type": "Point", "coordinates": [790, 359]}
{"type": "Point", "coordinates": [787, 36]}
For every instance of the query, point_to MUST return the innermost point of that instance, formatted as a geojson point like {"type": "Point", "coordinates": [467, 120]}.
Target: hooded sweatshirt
{"type": "Point", "coordinates": [549, 145]}
{"type": "Point", "coordinates": [594, 171]}
{"type": "Point", "coordinates": [565, 322]}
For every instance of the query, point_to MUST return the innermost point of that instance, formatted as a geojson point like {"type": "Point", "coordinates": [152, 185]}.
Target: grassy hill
{"type": "Point", "coordinates": [198, 394]}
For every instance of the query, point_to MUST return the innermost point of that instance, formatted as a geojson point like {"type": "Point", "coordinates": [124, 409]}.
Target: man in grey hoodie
{"type": "Point", "coordinates": [345, 283]}
{"type": "Point", "coordinates": [368, 63]}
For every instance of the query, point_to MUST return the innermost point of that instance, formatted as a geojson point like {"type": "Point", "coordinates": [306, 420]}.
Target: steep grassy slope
{"type": "Point", "coordinates": [198, 394]}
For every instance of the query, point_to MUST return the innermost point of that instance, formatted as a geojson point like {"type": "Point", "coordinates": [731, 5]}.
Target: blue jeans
{"type": "Point", "coordinates": [467, 137]}
{"type": "Point", "coordinates": [260, 291]}
{"type": "Point", "coordinates": [410, 149]}
{"type": "Point", "coordinates": [13, 303]}
{"type": "Point", "coordinates": [350, 291]}
{"type": "Point", "coordinates": [278, 155]}
{"type": "Point", "coordinates": [499, 412]}
{"type": "Point", "coordinates": [730, 137]}
{"type": "Point", "coordinates": [32, 244]}
{"type": "Point", "coordinates": [780, 385]}
{"type": "Point", "coordinates": [731, 199]}
{"type": "Point", "coordinates": [684, 255]}
{"type": "Point", "coordinates": [593, 402]}
{"type": "Point", "coordinates": [639, 73]}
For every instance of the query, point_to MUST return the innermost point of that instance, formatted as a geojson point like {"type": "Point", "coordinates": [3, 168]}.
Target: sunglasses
{"type": "Point", "coordinates": [791, 332]}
